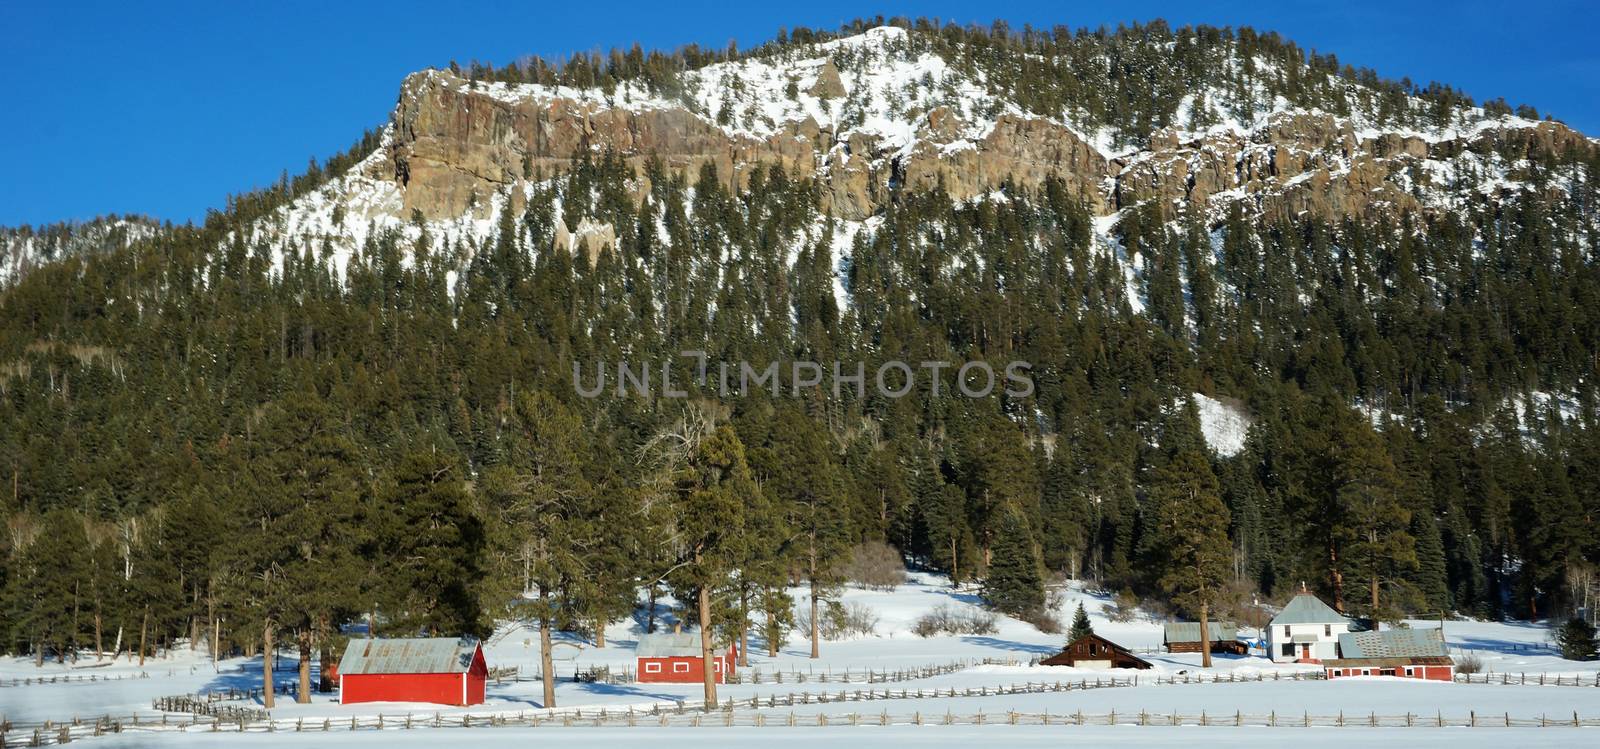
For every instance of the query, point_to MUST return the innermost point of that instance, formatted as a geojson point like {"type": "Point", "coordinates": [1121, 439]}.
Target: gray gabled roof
{"type": "Point", "coordinates": [1393, 643]}
{"type": "Point", "coordinates": [417, 655]}
{"type": "Point", "coordinates": [1190, 632]}
{"type": "Point", "coordinates": [669, 645]}
{"type": "Point", "coordinates": [1305, 608]}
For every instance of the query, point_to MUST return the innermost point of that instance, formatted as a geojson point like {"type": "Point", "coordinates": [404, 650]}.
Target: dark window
{"type": "Point", "coordinates": [1327, 630]}
{"type": "Point", "coordinates": [1288, 649]}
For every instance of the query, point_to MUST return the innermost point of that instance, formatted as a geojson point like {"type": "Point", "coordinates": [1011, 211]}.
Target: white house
{"type": "Point", "coordinates": [1307, 631]}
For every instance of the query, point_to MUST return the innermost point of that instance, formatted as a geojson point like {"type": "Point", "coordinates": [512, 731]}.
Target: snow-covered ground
{"type": "Point", "coordinates": [874, 737]}
{"type": "Point", "coordinates": [1503, 647]}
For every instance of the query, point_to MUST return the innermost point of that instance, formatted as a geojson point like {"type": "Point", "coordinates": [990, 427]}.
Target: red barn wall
{"type": "Point", "coordinates": [443, 689]}
{"type": "Point", "coordinates": [693, 674]}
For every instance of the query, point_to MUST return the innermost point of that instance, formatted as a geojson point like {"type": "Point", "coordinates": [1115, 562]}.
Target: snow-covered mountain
{"type": "Point", "coordinates": [25, 248]}
{"type": "Point", "coordinates": [880, 112]}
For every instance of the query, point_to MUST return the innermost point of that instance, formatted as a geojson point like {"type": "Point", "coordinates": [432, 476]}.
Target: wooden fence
{"type": "Point", "coordinates": [1524, 679]}
{"type": "Point", "coordinates": [786, 676]}
{"type": "Point", "coordinates": [65, 733]}
{"type": "Point", "coordinates": [25, 681]}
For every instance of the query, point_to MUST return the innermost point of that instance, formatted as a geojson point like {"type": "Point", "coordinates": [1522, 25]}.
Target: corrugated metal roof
{"type": "Point", "coordinates": [418, 655]}
{"type": "Point", "coordinates": [1420, 660]}
{"type": "Point", "coordinates": [1305, 608]}
{"type": "Point", "coordinates": [1190, 631]}
{"type": "Point", "coordinates": [669, 645]}
{"type": "Point", "coordinates": [1393, 643]}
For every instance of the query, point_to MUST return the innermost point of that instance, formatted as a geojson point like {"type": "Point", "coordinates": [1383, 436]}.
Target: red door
{"type": "Point", "coordinates": [1305, 651]}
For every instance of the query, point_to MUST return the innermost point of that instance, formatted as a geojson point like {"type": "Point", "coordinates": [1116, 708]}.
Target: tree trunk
{"type": "Point", "coordinates": [705, 647]}
{"type": "Point", "coordinates": [1337, 578]}
{"type": "Point", "coordinates": [1205, 635]}
{"type": "Point", "coordinates": [600, 631]}
{"type": "Point", "coordinates": [214, 629]}
{"type": "Point", "coordinates": [955, 564]}
{"type": "Point", "coordinates": [304, 640]}
{"type": "Point", "coordinates": [744, 627]}
{"type": "Point", "coordinates": [144, 628]}
{"type": "Point", "coordinates": [1374, 596]}
{"type": "Point", "coordinates": [547, 667]}
{"type": "Point", "coordinates": [99, 632]}
{"type": "Point", "coordinates": [325, 661]}
{"type": "Point", "coordinates": [650, 614]}
{"type": "Point", "coordinates": [194, 621]}
{"type": "Point", "coordinates": [266, 665]}
{"type": "Point", "coordinates": [816, 626]}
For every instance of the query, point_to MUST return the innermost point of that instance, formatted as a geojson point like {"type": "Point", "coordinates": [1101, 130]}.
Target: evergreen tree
{"type": "Point", "coordinates": [539, 494]}
{"type": "Point", "coordinates": [1191, 532]}
{"type": "Point", "coordinates": [435, 550]}
{"type": "Point", "coordinates": [1080, 625]}
{"type": "Point", "coordinates": [1014, 582]}
{"type": "Point", "coordinates": [1577, 640]}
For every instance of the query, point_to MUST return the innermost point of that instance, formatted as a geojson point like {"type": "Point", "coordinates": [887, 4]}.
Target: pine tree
{"type": "Point", "coordinates": [1014, 582]}
{"type": "Point", "coordinates": [808, 484]}
{"type": "Point", "coordinates": [539, 495]}
{"type": "Point", "coordinates": [1191, 531]}
{"type": "Point", "coordinates": [1371, 523]}
{"type": "Point", "coordinates": [1577, 641]}
{"type": "Point", "coordinates": [435, 549]}
{"type": "Point", "coordinates": [1080, 625]}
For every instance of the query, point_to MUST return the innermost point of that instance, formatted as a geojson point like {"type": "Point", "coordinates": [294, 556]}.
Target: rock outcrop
{"type": "Point", "coordinates": [455, 144]}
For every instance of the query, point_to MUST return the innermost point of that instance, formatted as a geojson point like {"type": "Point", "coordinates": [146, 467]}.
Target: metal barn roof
{"type": "Point", "coordinates": [419, 655]}
{"type": "Point", "coordinates": [1392, 643]}
{"type": "Point", "coordinates": [669, 645]}
{"type": "Point", "coordinates": [1190, 632]}
{"type": "Point", "coordinates": [1419, 660]}
{"type": "Point", "coordinates": [1306, 608]}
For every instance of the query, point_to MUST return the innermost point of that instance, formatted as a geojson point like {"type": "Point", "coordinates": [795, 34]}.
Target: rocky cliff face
{"type": "Point", "coordinates": [870, 115]}
{"type": "Point", "coordinates": [1317, 164]}
{"type": "Point", "coordinates": [455, 144]}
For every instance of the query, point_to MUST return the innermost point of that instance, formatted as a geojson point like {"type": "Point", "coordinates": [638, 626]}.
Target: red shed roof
{"type": "Point", "coordinates": [417, 655]}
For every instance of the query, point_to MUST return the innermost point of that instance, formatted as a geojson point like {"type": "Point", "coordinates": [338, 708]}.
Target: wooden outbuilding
{"type": "Point", "coordinates": [1430, 667]}
{"type": "Point", "coordinates": [1406, 653]}
{"type": "Point", "coordinates": [1184, 637]}
{"type": "Point", "coordinates": [440, 670]}
{"type": "Point", "coordinates": [1094, 651]}
{"type": "Point", "coordinates": [675, 658]}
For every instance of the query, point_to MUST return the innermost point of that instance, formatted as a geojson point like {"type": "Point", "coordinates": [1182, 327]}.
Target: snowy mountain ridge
{"type": "Point", "coordinates": [874, 113]}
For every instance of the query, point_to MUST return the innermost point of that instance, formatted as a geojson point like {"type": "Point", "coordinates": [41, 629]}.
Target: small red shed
{"type": "Point", "coordinates": [675, 658]}
{"type": "Point", "coordinates": [441, 670]}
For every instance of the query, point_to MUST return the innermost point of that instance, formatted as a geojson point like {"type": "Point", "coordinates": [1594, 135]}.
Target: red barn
{"type": "Point", "coordinates": [1430, 667]}
{"type": "Point", "coordinates": [1407, 653]}
{"type": "Point", "coordinates": [441, 670]}
{"type": "Point", "coordinates": [674, 658]}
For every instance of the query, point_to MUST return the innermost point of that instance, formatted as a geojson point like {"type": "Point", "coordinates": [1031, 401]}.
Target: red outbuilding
{"type": "Point", "coordinates": [1430, 667]}
{"type": "Point", "coordinates": [1405, 652]}
{"type": "Point", "coordinates": [674, 658]}
{"type": "Point", "coordinates": [441, 670]}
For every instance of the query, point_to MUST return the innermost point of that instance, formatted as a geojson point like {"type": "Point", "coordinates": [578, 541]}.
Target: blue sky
{"type": "Point", "coordinates": [165, 110]}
